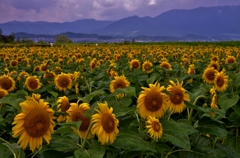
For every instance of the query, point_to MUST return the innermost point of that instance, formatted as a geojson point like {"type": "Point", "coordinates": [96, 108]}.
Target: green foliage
{"type": "Point", "coordinates": [62, 39]}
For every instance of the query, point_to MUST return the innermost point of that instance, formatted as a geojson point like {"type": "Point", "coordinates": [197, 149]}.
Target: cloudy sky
{"type": "Point", "coordinates": [71, 10]}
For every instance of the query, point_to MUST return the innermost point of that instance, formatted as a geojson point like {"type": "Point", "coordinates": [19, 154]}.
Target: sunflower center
{"type": "Point", "coordinates": [135, 65]}
{"type": "Point", "coordinates": [5, 83]}
{"type": "Point", "coordinates": [220, 82]}
{"type": "Point", "coordinates": [146, 67]}
{"type": "Point", "coordinates": [64, 81]}
{"type": "Point", "coordinates": [153, 101]}
{"type": "Point", "coordinates": [176, 96]}
{"type": "Point", "coordinates": [65, 105]}
{"type": "Point", "coordinates": [108, 122]}
{"type": "Point", "coordinates": [33, 84]}
{"type": "Point", "coordinates": [36, 123]}
{"type": "Point", "coordinates": [210, 75]}
{"type": "Point", "coordinates": [156, 126]}
{"type": "Point", "coordinates": [85, 123]}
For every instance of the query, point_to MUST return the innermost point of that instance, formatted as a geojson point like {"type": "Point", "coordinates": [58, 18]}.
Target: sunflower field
{"type": "Point", "coordinates": [120, 101]}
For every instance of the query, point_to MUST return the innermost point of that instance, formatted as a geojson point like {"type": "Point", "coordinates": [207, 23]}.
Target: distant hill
{"type": "Point", "coordinates": [202, 22]}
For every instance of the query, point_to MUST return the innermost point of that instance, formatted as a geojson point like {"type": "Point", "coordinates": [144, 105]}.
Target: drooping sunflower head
{"type": "Point", "coordinates": [63, 82]}
{"type": "Point", "coordinates": [57, 69]}
{"type": "Point", "coordinates": [191, 69]}
{"type": "Point", "coordinates": [177, 97]}
{"type": "Point", "coordinates": [63, 106]}
{"type": "Point", "coordinates": [147, 67]}
{"type": "Point", "coordinates": [105, 124]}
{"type": "Point", "coordinates": [215, 58]}
{"type": "Point", "coordinates": [77, 113]}
{"type": "Point", "coordinates": [118, 82]}
{"type": "Point", "coordinates": [93, 63]}
{"type": "Point", "coordinates": [221, 81]}
{"type": "Point", "coordinates": [7, 83]}
{"type": "Point", "coordinates": [134, 64]}
{"type": "Point", "coordinates": [33, 124]}
{"type": "Point", "coordinates": [152, 101]}
{"type": "Point", "coordinates": [154, 127]}
{"type": "Point", "coordinates": [32, 83]}
{"type": "Point", "coordinates": [209, 75]}
{"type": "Point", "coordinates": [214, 64]}
{"type": "Point", "coordinates": [50, 75]}
{"type": "Point", "coordinates": [36, 69]}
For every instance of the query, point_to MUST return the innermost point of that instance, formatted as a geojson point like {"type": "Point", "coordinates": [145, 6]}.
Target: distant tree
{"type": "Point", "coordinates": [62, 39]}
{"type": "Point", "coordinates": [1, 31]}
{"type": "Point", "coordinates": [11, 37]}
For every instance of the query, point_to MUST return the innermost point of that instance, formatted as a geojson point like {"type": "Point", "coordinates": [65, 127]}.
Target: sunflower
{"type": "Point", "coordinates": [63, 82]}
{"type": "Point", "coordinates": [221, 81]}
{"type": "Point", "coordinates": [177, 97]}
{"type": "Point", "coordinates": [36, 69]}
{"type": "Point", "coordinates": [57, 69]}
{"type": "Point", "coordinates": [93, 63]}
{"type": "Point", "coordinates": [43, 67]}
{"type": "Point", "coordinates": [146, 67]}
{"type": "Point", "coordinates": [214, 64]}
{"type": "Point", "coordinates": [105, 124]}
{"type": "Point", "coordinates": [152, 101]}
{"type": "Point", "coordinates": [134, 64]}
{"type": "Point", "coordinates": [22, 74]}
{"type": "Point", "coordinates": [32, 83]}
{"type": "Point", "coordinates": [3, 93]}
{"type": "Point", "coordinates": [230, 59]}
{"type": "Point", "coordinates": [118, 82]}
{"type": "Point", "coordinates": [76, 113]}
{"type": "Point", "coordinates": [33, 124]}
{"type": "Point", "coordinates": [7, 83]}
{"type": "Point", "coordinates": [166, 65]}
{"type": "Point", "coordinates": [63, 106]}
{"type": "Point", "coordinates": [209, 75]}
{"type": "Point", "coordinates": [154, 127]}
{"type": "Point", "coordinates": [13, 63]}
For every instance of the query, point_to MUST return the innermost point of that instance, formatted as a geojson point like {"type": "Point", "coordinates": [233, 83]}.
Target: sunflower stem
{"type": "Point", "coordinates": [85, 138]}
{"type": "Point", "coordinates": [13, 150]}
{"type": "Point", "coordinates": [20, 153]}
{"type": "Point", "coordinates": [191, 110]}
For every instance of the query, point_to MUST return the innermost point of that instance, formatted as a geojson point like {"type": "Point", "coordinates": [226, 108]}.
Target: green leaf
{"type": "Point", "coordinates": [90, 96]}
{"type": "Point", "coordinates": [175, 133]}
{"type": "Point", "coordinates": [233, 143]}
{"type": "Point", "coordinates": [5, 152]}
{"type": "Point", "coordinates": [187, 126]}
{"type": "Point", "coordinates": [66, 127]}
{"type": "Point", "coordinates": [151, 79]}
{"type": "Point", "coordinates": [227, 101]}
{"type": "Point", "coordinates": [53, 154]}
{"type": "Point", "coordinates": [96, 150]}
{"type": "Point", "coordinates": [132, 141]}
{"type": "Point", "coordinates": [12, 99]}
{"type": "Point", "coordinates": [228, 151]}
{"type": "Point", "coordinates": [122, 110]}
{"type": "Point", "coordinates": [55, 94]}
{"type": "Point", "coordinates": [127, 90]}
{"type": "Point", "coordinates": [207, 125]}
{"type": "Point", "coordinates": [206, 152]}
{"type": "Point", "coordinates": [63, 144]}
{"type": "Point", "coordinates": [80, 154]}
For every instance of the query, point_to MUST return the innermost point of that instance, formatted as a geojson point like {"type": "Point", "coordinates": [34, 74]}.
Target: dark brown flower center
{"type": "Point", "coordinates": [85, 123]}
{"type": "Point", "coordinates": [220, 81]}
{"type": "Point", "coordinates": [153, 101]}
{"type": "Point", "coordinates": [156, 126]}
{"type": "Point", "coordinates": [6, 83]}
{"type": "Point", "coordinates": [36, 123]}
{"type": "Point", "coordinates": [108, 122]}
{"type": "Point", "coordinates": [32, 83]}
{"type": "Point", "coordinates": [63, 81]}
{"type": "Point", "coordinates": [210, 75]}
{"type": "Point", "coordinates": [65, 105]}
{"type": "Point", "coordinates": [177, 96]}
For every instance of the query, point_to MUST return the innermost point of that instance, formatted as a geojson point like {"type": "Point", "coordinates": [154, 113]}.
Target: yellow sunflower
{"type": "Point", "coordinates": [118, 82]}
{"type": "Point", "coordinates": [7, 83]}
{"type": "Point", "coordinates": [209, 75]}
{"type": "Point", "coordinates": [63, 106]}
{"type": "Point", "coordinates": [33, 124]}
{"type": "Point", "coordinates": [221, 81]}
{"type": "Point", "coordinates": [166, 65]}
{"type": "Point", "coordinates": [32, 83]}
{"type": "Point", "coordinates": [177, 97]}
{"type": "Point", "coordinates": [13, 63]}
{"type": "Point", "coordinates": [146, 67]}
{"type": "Point", "coordinates": [154, 127]}
{"type": "Point", "coordinates": [63, 82]}
{"type": "Point", "coordinates": [134, 64]}
{"type": "Point", "coordinates": [3, 93]}
{"type": "Point", "coordinates": [93, 64]}
{"type": "Point", "coordinates": [214, 64]}
{"type": "Point", "coordinates": [76, 113]}
{"type": "Point", "coordinates": [230, 59]}
{"type": "Point", "coordinates": [191, 69]}
{"type": "Point", "coordinates": [214, 98]}
{"type": "Point", "coordinates": [43, 67]}
{"type": "Point", "coordinates": [105, 124]}
{"type": "Point", "coordinates": [152, 101]}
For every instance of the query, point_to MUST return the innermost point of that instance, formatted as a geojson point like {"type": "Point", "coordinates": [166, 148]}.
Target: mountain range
{"type": "Point", "coordinates": [222, 21]}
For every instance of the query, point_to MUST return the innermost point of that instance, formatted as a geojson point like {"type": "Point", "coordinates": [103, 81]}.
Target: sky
{"type": "Point", "coordinates": [72, 10]}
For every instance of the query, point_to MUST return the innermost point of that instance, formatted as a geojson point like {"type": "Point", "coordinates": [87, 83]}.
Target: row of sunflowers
{"type": "Point", "coordinates": [155, 100]}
